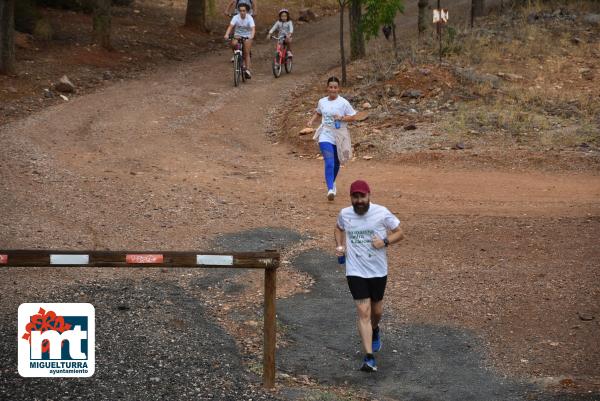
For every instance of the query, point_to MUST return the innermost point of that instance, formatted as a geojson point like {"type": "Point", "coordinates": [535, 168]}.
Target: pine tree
{"type": "Point", "coordinates": [102, 23]}
{"type": "Point", "coordinates": [7, 37]}
{"type": "Point", "coordinates": [195, 14]}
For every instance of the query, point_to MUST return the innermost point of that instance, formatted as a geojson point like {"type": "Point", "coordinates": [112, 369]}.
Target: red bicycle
{"type": "Point", "coordinates": [282, 57]}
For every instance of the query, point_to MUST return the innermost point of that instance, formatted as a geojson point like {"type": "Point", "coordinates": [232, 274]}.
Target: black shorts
{"type": "Point", "coordinates": [362, 288]}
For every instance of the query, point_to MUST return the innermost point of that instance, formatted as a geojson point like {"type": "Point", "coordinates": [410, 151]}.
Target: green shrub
{"type": "Point", "coordinates": [43, 30]}
{"type": "Point", "coordinates": [452, 43]}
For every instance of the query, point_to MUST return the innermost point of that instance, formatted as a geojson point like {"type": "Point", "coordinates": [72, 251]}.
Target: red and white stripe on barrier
{"type": "Point", "coordinates": [143, 258]}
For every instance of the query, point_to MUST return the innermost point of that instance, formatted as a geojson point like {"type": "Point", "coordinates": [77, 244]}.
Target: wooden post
{"type": "Point", "coordinates": [270, 332]}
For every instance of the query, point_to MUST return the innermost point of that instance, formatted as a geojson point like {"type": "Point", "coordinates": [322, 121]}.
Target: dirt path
{"type": "Point", "coordinates": [417, 361]}
{"type": "Point", "coordinates": [150, 147]}
{"type": "Point", "coordinates": [180, 156]}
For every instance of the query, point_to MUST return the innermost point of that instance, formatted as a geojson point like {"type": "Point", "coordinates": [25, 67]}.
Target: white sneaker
{"type": "Point", "coordinates": [331, 194]}
{"type": "Point", "coordinates": [334, 189]}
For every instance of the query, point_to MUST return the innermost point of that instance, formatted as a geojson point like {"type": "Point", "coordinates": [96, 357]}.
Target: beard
{"type": "Point", "coordinates": [361, 208]}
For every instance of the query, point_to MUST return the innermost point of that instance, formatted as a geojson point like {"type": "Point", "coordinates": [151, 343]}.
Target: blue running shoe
{"type": "Point", "coordinates": [376, 340]}
{"type": "Point", "coordinates": [369, 364]}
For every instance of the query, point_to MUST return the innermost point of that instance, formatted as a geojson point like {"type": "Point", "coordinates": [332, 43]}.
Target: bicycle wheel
{"type": "Point", "coordinates": [242, 69]}
{"type": "Point", "coordinates": [236, 71]}
{"type": "Point", "coordinates": [288, 64]}
{"type": "Point", "coordinates": [276, 66]}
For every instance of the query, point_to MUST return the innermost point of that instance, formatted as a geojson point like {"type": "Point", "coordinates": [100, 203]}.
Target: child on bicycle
{"type": "Point", "coordinates": [285, 29]}
{"type": "Point", "coordinates": [242, 26]}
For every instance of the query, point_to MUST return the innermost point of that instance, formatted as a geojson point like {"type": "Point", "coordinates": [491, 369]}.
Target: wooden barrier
{"type": "Point", "coordinates": [268, 260]}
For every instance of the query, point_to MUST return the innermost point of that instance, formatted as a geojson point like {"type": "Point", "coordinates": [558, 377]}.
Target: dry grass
{"type": "Point", "coordinates": [541, 5]}
{"type": "Point", "coordinates": [315, 3]}
{"type": "Point", "coordinates": [532, 88]}
{"type": "Point", "coordinates": [551, 100]}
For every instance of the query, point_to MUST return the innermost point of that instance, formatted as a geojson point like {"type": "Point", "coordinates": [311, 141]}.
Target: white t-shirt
{"type": "Point", "coordinates": [329, 108]}
{"type": "Point", "coordinates": [362, 258]}
{"type": "Point", "coordinates": [243, 26]}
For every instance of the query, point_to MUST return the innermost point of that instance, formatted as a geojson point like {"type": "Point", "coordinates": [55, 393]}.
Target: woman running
{"type": "Point", "coordinates": [332, 135]}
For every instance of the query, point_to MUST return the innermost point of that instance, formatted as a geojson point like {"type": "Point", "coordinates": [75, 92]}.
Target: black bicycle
{"type": "Point", "coordinates": [239, 68]}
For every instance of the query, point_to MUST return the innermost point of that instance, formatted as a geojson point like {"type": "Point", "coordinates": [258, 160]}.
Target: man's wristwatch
{"type": "Point", "coordinates": [386, 242]}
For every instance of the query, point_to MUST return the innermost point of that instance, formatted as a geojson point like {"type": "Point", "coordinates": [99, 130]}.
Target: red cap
{"type": "Point", "coordinates": [360, 186]}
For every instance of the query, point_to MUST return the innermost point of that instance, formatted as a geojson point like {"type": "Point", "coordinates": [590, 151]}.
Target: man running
{"type": "Point", "coordinates": [362, 233]}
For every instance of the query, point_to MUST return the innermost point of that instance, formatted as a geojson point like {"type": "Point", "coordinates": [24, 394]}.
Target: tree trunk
{"type": "Point", "coordinates": [395, 41]}
{"type": "Point", "coordinates": [477, 8]}
{"type": "Point", "coordinates": [472, 13]}
{"type": "Point", "coordinates": [102, 23]}
{"type": "Point", "coordinates": [357, 39]}
{"type": "Point", "coordinates": [195, 14]}
{"type": "Point", "coordinates": [7, 37]}
{"type": "Point", "coordinates": [342, 51]}
{"type": "Point", "coordinates": [422, 22]}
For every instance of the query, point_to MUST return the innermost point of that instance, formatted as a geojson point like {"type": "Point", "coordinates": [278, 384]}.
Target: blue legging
{"type": "Point", "coordinates": [332, 163]}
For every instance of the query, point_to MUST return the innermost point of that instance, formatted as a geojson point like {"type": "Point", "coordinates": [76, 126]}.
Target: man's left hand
{"type": "Point", "coordinates": [378, 242]}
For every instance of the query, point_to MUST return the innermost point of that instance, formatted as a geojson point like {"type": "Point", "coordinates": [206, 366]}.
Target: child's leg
{"type": "Point", "coordinates": [327, 150]}
{"type": "Point", "coordinates": [247, 50]}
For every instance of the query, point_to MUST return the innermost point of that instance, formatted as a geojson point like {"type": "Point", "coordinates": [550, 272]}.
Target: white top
{"type": "Point", "coordinates": [362, 258]}
{"type": "Point", "coordinates": [283, 28]}
{"type": "Point", "coordinates": [243, 26]}
{"type": "Point", "coordinates": [327, 109]}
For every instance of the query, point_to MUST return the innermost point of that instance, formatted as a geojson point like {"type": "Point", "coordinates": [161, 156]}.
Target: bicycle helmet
{"type": "Point", "coordinates": [284, 10]}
